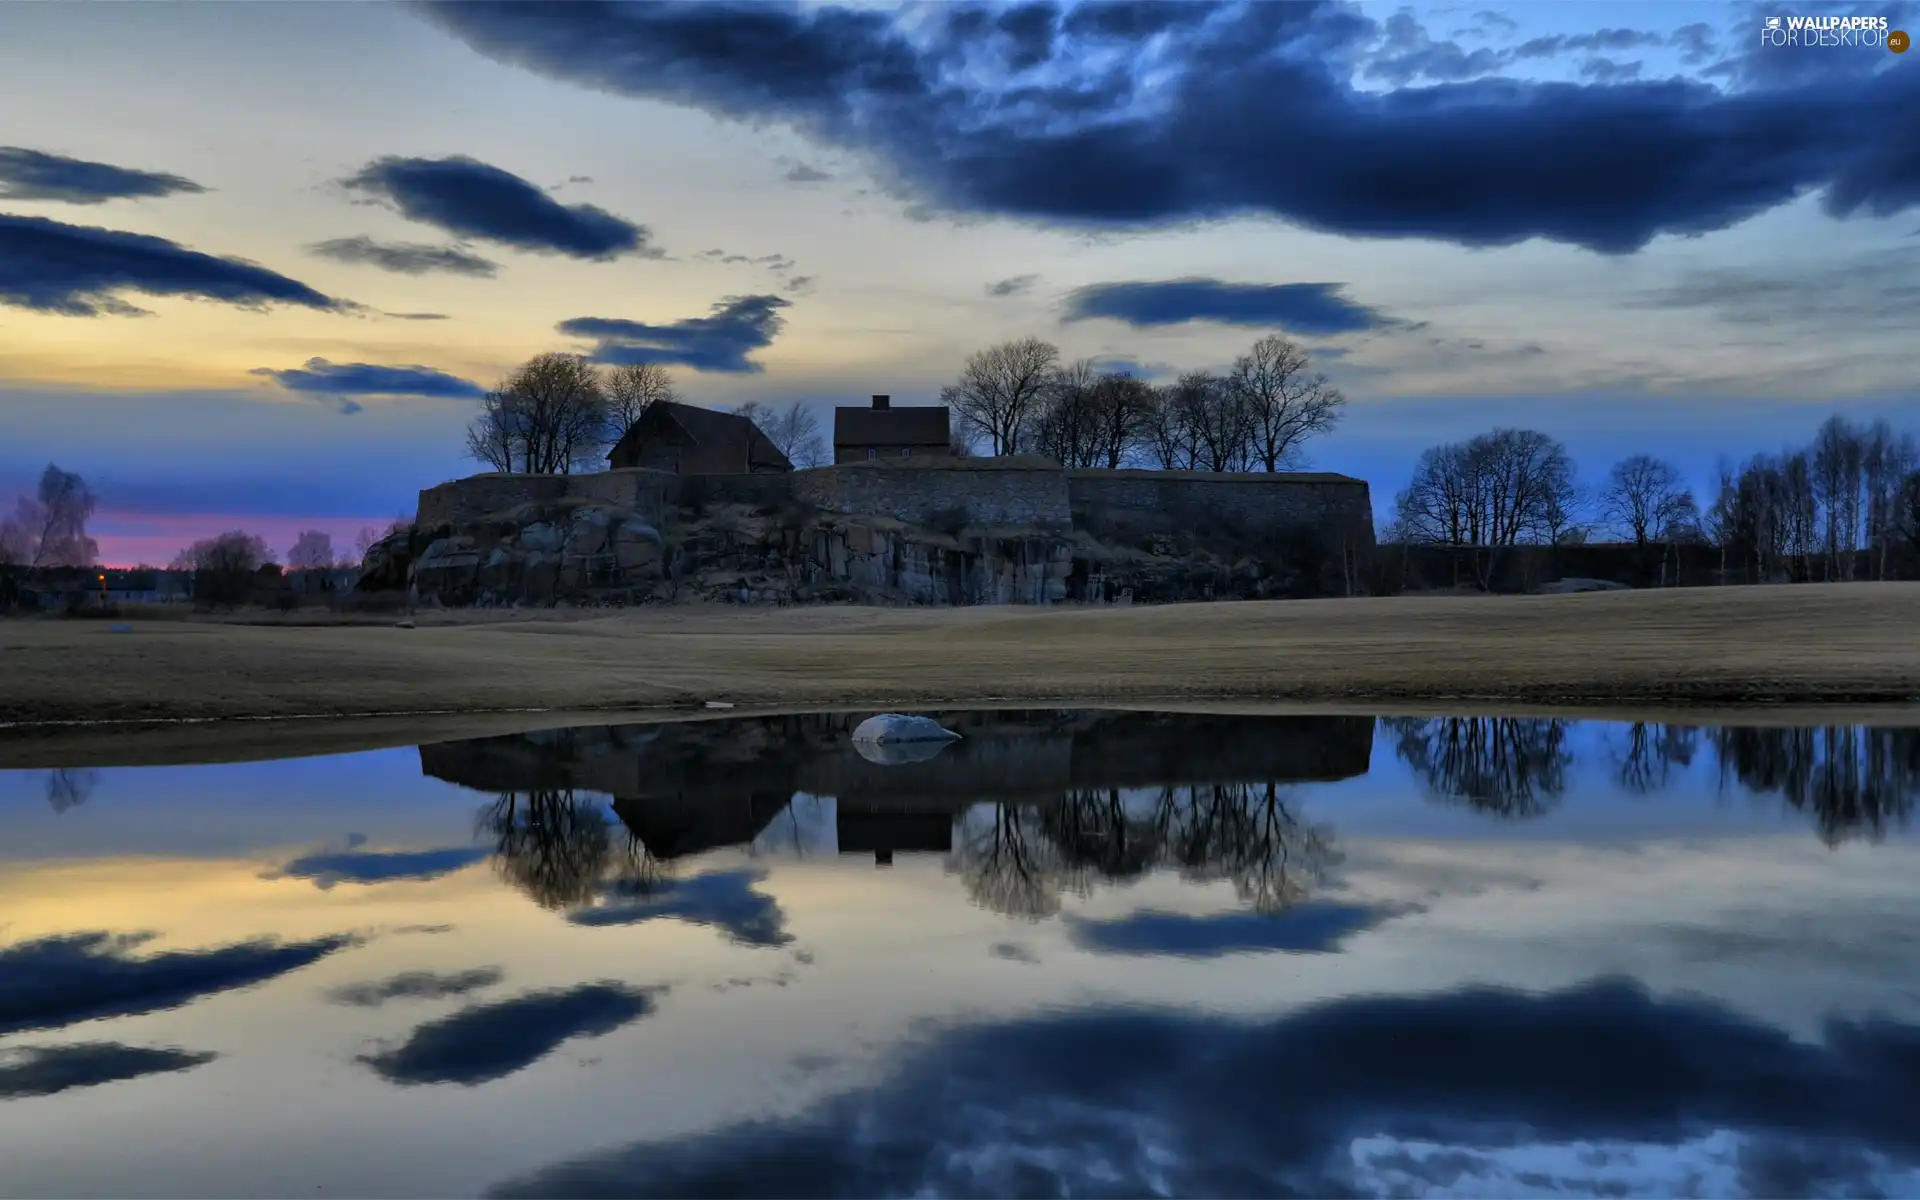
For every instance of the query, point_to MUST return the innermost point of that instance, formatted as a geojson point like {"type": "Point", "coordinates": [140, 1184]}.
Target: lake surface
{"type": "Point", "coordinates": [1075, 953]}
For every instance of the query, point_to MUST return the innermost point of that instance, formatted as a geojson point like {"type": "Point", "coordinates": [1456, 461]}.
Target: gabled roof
{"type": "Point", "coordinates": [740, 439]}
{"type": "Point", "coordinates": [926, 426]}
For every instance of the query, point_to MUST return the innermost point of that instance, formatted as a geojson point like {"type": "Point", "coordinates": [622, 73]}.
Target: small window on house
{"type": "Point", "coordinates": [907, 453]}
{"type": "Point", "coordinates": [873, 454]}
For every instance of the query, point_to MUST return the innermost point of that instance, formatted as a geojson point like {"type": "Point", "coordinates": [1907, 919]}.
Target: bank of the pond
{"type": "Point", "coordinates": [1815, 645]}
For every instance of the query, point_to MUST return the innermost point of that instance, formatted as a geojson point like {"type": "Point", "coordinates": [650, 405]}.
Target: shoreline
{"type": "Point", "coordinates": [214, 691]}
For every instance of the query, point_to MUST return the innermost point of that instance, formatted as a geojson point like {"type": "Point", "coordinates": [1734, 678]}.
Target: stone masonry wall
{"type": "Point", "coordinates": [1259, 500]}
{"type": "Point", "coordinates": [991, 494]}
{"type": "Point", "coordinates": [464, 501]}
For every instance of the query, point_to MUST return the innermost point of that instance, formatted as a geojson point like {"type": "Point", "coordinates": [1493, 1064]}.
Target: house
{"type": "Point", "coordinates": [689, 440]}
{"type": "Point", "coordinates": [884, 431]}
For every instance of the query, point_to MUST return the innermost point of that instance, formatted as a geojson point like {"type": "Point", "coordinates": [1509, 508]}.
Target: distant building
{"type": "Point", "coordinates": [689, 440]}
{"type": "Point", "coordinates": [884, 431]}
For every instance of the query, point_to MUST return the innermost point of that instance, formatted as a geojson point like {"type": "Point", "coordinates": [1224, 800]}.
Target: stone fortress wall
{"type": "Point", "coordinates": [1010, 493]}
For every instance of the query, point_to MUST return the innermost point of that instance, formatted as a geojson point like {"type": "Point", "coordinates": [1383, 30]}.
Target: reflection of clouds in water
{"type": "Point", "coordinates": [807, 827]}
{"type": "Point", "coordinates": [416, 985]}
{"type": "Point", "coordinates": [491, 1041]}
{"type": "Point", "coordinates": [75, 977]}
{"type": "Point", "coordinates": [1015, 952]}
{"type": "Point", "coordinates": [1316, 927]}
{"type": "Point", "coordinates": [47, 1070]}
{"type": "Point", "coordinates": [724, 900]}
{"type": "Point", "coordinates": [328, 868]}
{"type": "Point", "coordinates": [1131, 1102]}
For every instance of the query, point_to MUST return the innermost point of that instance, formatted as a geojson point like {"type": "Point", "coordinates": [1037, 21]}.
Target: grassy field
{"type": "Point", "coordinates": [1813, 645]}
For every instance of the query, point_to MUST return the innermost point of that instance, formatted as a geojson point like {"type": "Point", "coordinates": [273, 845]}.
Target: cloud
{"type": "Point", "coordinates": [724, 900]}
{"type": "Point", "coordinates": [48, 1070]}
{"type": "Point", "coordinates": [69, 978]}
{"type": "Point", "coordinates": [1014, 952]}
{"type": "Point", "coordinates": [493, 1041]}
{"type": "Point", "coordinates": [1013, 285]}
{"type": "Point", "coordinates": [1316, 927]}
{"type": "Point", "coordinates": [1607, 70]}
{"type": "Point", "coordinates": [320, 377]}
{"type": "Point", "coordinates": [417, 316]}
{"type": "Point", "coordinates": [1121, 1101]}
{"type": "Point", "coordinates": [1697, 43]}
{"type": "Point", "coordinates": [37, 175]}
{"type": "Point", "coordinates": [1317, 308]}
{"type": "Point", "coordinates": [472, 199]}
{"type": "Point", "coordinates": [406, 258]}
{"type": "Point", "coordinates": [777, 262]}
{"type": "Point", "coordinates": [1597, 41]}
{"type": "Point", "coordinates": [416, 985]}
{"type": "Point", "coordinates": [79, 271]}
{"type": "Point", "coordinates": [1159, 114]}
{"type": "Point", "coordinates": [803, 173]}
{"type": "Point", "coordinates": [721, 341]}
{"type": "Point", "coordinates": [374, 866]}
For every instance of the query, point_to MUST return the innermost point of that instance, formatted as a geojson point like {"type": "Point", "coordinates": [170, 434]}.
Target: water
{"type": "Point", "coordinates": [1075, 953]}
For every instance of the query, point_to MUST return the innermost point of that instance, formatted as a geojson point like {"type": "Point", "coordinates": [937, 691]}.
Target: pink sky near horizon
{"type": "Point", "coordinates": [131, 539]}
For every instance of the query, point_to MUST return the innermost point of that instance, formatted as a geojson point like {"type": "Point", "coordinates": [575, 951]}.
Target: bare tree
{"type": "Point", "coordinates": [630, 390]}
{"type": "Point", "coordinates": [312, 550]}
{"type": "Point", "coordinates": [364, 540]}
{"type": "Point", "coordinates": [1122, 407]}
{"type": "Point", "coordinates": [224, 566]}
{"type": "Point", "coordinates": [960, 443]}
{"type": "Point", "coordinates": [794, 430]}
{"type": "Point", "coordinates": [1000, 388]}
{"type": "Point", "coordinates": [1284, 406]}
{"type": "Point", "coordinates": [548, 417]}
{"type": "Point", "coordinates": [1067, 427]}
{"type": "Point", "coordinates": [1218, 426]}
{"type": "Point", "coordinates": [1647, 499]}
{"type": "Point", "coordinates": [1494, 491]}
{"type": "Point", "coordinates": [49, 529]}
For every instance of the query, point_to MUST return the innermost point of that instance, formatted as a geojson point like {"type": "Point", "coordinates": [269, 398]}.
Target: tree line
{"type": "Point", "coordinates": [1258, 415]}
{"type": "Point", "coordinates": [1844, 506]}
{"type": "Point", "coordinates": [558, 413]}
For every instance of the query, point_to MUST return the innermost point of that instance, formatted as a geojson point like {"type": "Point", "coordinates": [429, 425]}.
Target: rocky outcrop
{"type": "Point", "coordinates": [577, 552]}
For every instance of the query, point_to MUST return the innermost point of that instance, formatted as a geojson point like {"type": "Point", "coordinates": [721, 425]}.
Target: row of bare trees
{"type": "Point", "coordinates": [1021, 397]}
{"type": "Point", "coordinates": [558, 413]}
{"type": "Point", "coordinates": [1806, 513]}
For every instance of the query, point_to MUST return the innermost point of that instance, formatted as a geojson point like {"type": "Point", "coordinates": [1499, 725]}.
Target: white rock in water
{"type": "Point", "coordinates": [894, 728]}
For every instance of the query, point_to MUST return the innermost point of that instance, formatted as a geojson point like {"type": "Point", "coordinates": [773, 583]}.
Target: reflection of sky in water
{"type": "Point", "coordinates": [343, 990]}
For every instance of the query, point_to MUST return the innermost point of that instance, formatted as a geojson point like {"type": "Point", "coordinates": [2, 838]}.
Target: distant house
{"type": "Point", "coordinates": [884, 431]}
{"type": "Point", "coordinates": [689, 440]}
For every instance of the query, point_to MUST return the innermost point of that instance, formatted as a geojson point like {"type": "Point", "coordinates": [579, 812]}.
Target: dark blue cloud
{"type": "Point", "coordinates": [721, 341]}
{"type": "Point", "coordinates": [1125, 1102]}
{"type": "Point", "coordinates": [37, 175]}
{"type": "Point", "coordinates": [406, 258]}
{"type": "Point", "coordinates": [805, 173]}
{"type": "Point", "coordinates": [47, 1070]}
{"type": "Point", "coordinates": [80, 271]}
{"type": "Point", "coordinates": [1241, 108]}
{"type": "Point", "coordinates": [1316, 927]}
{"type": "Point", "coordinates": [379, 866]}
{"type": "Point", "coordinates": [416, 985]}
{"type": "Point", "coordinates": [1317, 308]}
{"type": "Point", "coordinates": [472, 199]}
{"type": "Point", "coordinates": [724, 900]}
{"type": "Point", "coordinates": [62, 980]}
{"type": "Point", "coordinates": [493, 1041]}
{"type": "Point", "coordinates": [323, 378]}
{"type": "Point", "coordinates": [1012, 285]}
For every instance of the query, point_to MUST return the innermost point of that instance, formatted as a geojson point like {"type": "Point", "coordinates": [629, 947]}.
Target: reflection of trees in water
{"type": "Point", "coordinates": [1646, 762]}
{"type": "Point", "coordinates": [1020, 858]}
{"type": "Point", "coordinates": [1855, 781]}
{"type": "Point", "coordinates": [559, 849]}
{"type": "Point", "coordinates": [1510, 766]}
{"type": "Point", "coordinates": [69, 787]}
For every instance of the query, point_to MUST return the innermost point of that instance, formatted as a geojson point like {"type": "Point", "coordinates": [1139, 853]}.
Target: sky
{"type": "Point", "coordinates": [257, 262]}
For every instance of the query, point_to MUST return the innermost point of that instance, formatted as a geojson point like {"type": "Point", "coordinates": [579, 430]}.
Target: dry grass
{"type": "Point", "coordinates": [1857, 644]}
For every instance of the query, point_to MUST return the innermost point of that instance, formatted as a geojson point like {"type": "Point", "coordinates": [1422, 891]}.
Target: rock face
{"type": "Point", "coordinates": [572, 552]}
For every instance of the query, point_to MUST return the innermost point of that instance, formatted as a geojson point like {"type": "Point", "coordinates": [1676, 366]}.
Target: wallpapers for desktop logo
{"type": "Point", "coordinates": [1851, 32]}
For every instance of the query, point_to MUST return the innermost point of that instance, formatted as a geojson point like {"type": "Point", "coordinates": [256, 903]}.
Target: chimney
{"type": "Point", "coordinates": [882, 401]}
